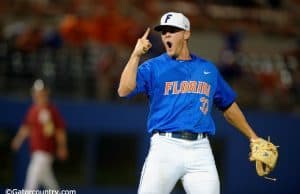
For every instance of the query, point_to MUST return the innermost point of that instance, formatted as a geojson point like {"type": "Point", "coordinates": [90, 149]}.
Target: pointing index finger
{"type": "Point", "coordinates": [146, 33]}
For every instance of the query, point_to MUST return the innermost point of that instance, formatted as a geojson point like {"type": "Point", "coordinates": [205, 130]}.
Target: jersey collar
{"type": "Point", "coordinates": [193, 57]}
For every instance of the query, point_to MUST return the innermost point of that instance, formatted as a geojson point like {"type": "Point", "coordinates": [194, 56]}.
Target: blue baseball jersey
{"type": "Point", "coordinates": [181, 93]}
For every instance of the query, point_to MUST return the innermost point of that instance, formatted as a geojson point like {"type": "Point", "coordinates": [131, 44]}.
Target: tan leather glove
{"type": "Point", "coordinates": [264, 154]}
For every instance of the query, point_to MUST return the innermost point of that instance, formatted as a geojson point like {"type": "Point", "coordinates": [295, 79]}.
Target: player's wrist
{"type": "Point", "coordinates": [136, 54]}
{"type": "Point", "coordinates": [253, 137]}
{"type": "Point", "coordinates": [62, 146]}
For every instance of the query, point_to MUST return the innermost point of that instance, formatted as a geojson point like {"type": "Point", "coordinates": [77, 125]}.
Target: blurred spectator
{"type": "Point", "coordinates": [104, 25]}
{"type": "Point", "coordinates": [14, 29]}
{"type": "Point", "coordinates": [295, 89]}
{"type": "Point", "coordinates": [75, 43]}
{"type": "Point", "coordinates": [228, 65]}
{"type": "Point", "coordinates": [294, 51]}
{"type": "Point", "coordinates": [30, 39]}
{"type": "Point", "coordinates": [108, 71]}
{"type": "Point", "coordinates": [73, 30]}
{"type": "Point", "coordinates": [52, 38]}
{"type": "Point", "coordinates": [293, 60]}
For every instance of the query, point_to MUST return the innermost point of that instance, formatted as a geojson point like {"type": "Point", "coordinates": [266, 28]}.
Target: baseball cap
{"type": "Point", "coordinates": [173, 19]}
{"type": "Point", "coordinates": [38, 85]}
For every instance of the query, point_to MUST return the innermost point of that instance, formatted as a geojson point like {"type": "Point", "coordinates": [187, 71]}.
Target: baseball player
{"type": "Point", "coordinates": [181, 88]}
{"type": "Point", "coordinates": [44, 126]}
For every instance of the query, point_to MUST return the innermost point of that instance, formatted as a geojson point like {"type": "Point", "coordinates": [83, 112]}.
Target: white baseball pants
{"type": "Point", "coordinates": [170, 159]}
{"type": "Point", "coordinates": [40, 173]}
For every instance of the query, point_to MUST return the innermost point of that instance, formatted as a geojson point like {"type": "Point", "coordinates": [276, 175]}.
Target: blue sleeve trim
{"type": "Point", "coordinates": [226, 107]}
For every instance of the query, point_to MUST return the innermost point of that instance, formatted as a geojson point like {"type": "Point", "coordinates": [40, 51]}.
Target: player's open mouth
{"type": "Point", "coordinates": [169, 44]}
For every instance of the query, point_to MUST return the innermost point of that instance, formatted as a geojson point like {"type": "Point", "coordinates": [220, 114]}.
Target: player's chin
{"type": "Point", "coordinates": [172, 54]}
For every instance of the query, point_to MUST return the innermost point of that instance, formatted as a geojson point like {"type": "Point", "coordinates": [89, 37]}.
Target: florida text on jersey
{"type": "Point", "coordinates": [181, 93]}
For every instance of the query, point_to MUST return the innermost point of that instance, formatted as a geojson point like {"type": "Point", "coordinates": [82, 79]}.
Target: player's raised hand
{"type": "Point", "coordinates": [143, 44]}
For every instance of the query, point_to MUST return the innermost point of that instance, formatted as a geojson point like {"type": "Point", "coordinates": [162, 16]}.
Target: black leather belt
{"type": "Point", "coordinates": [182, 135]}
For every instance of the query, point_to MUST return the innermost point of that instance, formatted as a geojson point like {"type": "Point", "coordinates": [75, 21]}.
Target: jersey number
{"type": "Point", "coordinates": [204, 106]}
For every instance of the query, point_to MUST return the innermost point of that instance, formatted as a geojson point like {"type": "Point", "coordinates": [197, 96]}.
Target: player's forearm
{"type": "Point", "coordinates": [236, 118]}
{"type": "Point", "coordinates": [61, 139]}
{"type": "Point", "coordinates": [128, 77]}
{"type": "Point", "coordinates": [22, 134]}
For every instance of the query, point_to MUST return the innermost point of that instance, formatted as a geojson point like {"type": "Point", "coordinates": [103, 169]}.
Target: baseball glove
{"type": "Point", "coordinates": [265, 155]}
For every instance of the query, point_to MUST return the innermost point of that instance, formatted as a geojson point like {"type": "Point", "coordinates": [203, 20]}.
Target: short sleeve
{"type": "Point", "coordinates": [224, 95]}
{"type": "Point", "coordinates": [143, 81]}
{"type": "Point", "coordinates": [58, 119]}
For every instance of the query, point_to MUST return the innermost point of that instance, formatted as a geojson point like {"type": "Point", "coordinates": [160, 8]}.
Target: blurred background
{"type": "Point", "coordinates": [79, 47]}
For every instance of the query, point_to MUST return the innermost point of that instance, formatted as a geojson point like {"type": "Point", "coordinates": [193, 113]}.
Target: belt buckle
{"type": "Point", "coordinates": [186, 135]}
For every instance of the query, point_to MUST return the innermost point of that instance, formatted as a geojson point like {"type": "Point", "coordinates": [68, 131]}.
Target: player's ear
{"type": "Point", "coordinates": [187, 35]}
